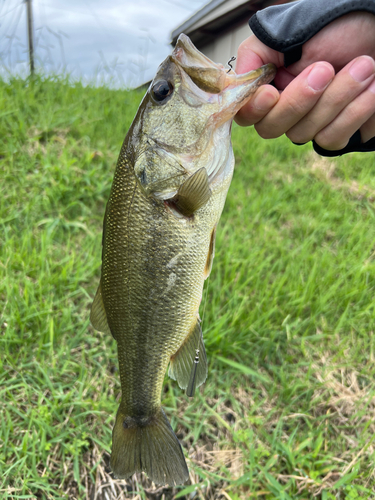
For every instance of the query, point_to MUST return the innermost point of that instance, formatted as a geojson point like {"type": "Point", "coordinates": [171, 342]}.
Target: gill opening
{"type": "Point", "coordinates": [173, 207]}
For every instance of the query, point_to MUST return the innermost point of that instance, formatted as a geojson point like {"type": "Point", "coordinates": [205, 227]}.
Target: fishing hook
{"type": "Point", "coordinates": [229, 63]}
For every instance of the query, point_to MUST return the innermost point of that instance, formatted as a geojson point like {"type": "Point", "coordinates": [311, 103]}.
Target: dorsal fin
{"type": "Point", "coordinates": [193, 193]}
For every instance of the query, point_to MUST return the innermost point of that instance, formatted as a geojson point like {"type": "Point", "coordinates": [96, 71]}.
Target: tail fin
{"type": "Point", "coordinates": [147, 444]}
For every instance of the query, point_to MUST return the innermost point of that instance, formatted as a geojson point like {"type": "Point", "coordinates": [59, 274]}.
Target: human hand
{"type": "Point", "coordinates": [327, 95]}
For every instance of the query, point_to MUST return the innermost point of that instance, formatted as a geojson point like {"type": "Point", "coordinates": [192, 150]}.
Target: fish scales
{"type": "Point", "coordinates": [149, 240]}
{"type": "Point", "coordinates": [168, 192]}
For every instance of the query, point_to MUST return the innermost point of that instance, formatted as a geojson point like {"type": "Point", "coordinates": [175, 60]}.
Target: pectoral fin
{"type": "Point", "coordinates": [193, 193]}
{"type": "Point", "coordinates": [182, 362]}
{"type": "Point", "coordinates": [98, 316]}
{"type": "Point", "coordinates": [210, 255]}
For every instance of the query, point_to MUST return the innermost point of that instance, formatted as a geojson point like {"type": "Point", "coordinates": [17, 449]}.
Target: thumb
{"type": "Point", "coordinates": [252, 54]}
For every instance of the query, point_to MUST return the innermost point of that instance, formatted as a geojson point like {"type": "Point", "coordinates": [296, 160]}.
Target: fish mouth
{"type": "Point", "coordinates": [206, 74]}
{"type": "Point", "coordinates": [215, 84]}
{"type": "Point", "coordinates": [215, 78]}
{"type": "Point", "coordinates": [239, 89]}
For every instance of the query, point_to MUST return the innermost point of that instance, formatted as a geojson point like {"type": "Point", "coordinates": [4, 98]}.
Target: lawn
{"type": "Point", "coordinates": [288, 409]}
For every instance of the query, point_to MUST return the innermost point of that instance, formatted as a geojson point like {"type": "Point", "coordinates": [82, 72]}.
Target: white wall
{"type": "Point", "coordinates": [226, 46]}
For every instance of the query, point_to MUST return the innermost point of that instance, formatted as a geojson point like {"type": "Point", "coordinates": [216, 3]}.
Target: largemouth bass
{"type": "Point", "coordinates": [168, 192]}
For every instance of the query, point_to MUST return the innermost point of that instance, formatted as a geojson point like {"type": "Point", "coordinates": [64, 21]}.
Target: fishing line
{"type": "Point", "coordinates": [193, 375]}
{"type": "Point", "coordinates": [205, 300]}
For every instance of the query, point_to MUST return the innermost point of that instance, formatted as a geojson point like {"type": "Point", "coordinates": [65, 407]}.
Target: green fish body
{"type": "Point", "coordinates": [169, 189]}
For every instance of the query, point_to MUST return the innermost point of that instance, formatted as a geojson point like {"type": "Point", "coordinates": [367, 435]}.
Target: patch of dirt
{"type": "Point", "coordinates": [39, 140]}
{"type": "Point", "coordinates": [324, 169]}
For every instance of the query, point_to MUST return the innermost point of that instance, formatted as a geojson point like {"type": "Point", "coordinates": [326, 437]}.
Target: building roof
{"type": "Point", "coordinates": [206, 9]}
{"type": "Point", "coordinates": [217, 16]}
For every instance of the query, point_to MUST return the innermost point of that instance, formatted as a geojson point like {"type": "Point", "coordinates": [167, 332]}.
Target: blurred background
{"type": "Point", "coordinates": [115, 42]}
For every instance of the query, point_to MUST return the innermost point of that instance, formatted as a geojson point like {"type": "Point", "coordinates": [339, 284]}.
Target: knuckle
{"type": "Point", "coordinates": [266, 132]}
{"type": "Point", "coordinates": [243, 121]}
{"type": "Point", "coordinates": [297, 136]}
{"type": "Point", "coordinates": [331, 143]}
{"type": "Point", "coordinates": [297, 106]}
{"type": "Point", "coordinates": [355, 114]}
{"type": "Point", "coordinates": [368, 129]}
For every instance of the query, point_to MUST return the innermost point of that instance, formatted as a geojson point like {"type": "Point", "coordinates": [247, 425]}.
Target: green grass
{"type": "Point", "coordinates": [288, 409]}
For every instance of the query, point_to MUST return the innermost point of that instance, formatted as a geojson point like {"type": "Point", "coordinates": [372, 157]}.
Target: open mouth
{"type": "Point", "coordinates": [212, 77]}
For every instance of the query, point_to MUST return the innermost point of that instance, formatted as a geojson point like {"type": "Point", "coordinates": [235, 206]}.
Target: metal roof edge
{"type": "Point", "coordinates": [195, 17]}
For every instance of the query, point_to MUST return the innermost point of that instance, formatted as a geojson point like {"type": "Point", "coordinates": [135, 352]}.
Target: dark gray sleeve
{"type": "Point", "coordinates": [287, 27]}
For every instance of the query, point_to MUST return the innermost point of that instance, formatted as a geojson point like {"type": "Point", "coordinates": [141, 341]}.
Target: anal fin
{"type": "Point", "coordinates": [182, 362]}
{"type": "Point", "coordinates": [98, 316]}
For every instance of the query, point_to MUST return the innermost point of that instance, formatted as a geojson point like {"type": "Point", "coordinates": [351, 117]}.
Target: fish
{"type": "Point", "coordinates": [169, 188]}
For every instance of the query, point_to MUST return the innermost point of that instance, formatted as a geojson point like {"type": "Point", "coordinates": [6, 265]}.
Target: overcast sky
{"type": "Point", "coordinates": [122, 39]}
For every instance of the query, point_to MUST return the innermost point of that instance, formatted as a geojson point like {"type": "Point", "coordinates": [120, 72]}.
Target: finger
{"type": "Point", "coordinates": [283, 78]}
{"type": "Point", "coordinates": [368, 129]}
{"type": "Point", "coordinates": [337, 134]}
{"type": "Point", "coordinates": [298, 98]}
{"type": "Point", "coordinates": [345, 87]}
{"type": "Point", "coordinates": [252, 54]}
{"type": "Point", "coordinates": [259, 105]}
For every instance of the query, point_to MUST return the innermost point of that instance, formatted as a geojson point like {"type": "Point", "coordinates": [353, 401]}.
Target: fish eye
{"type": "Point", "coordinates": [161, 90]}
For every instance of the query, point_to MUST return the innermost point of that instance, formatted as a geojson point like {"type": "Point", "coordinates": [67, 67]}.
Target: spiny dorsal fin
{"type": "Point", "coordinates": [98, 316]}
{"type": "Point", "coordinates": [182, 362]}
{"type": "Point", "coordinates": [193, 193]}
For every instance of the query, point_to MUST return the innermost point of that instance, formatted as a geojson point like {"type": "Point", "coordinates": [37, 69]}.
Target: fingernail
{"type": "Point", "coordinates": [264, 101]}
{"type": "Point", "coordinates": [362, 68]}
{"type": "Point", "coordinates": [372, 87]}
{"type": "Point", "coordinates": [320, 77]}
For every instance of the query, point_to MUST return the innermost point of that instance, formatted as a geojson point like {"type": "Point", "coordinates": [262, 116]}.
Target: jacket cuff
{"type": "Point", "coordinates": [354, 146]}
{"type": "Point", "coordinates": [287, 27]}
